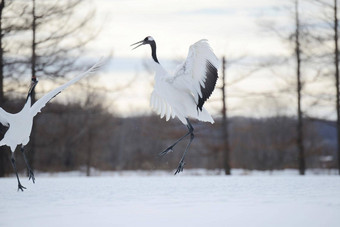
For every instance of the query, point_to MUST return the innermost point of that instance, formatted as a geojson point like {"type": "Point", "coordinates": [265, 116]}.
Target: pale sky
{"type": "Point", "coordinates": [231, 26]}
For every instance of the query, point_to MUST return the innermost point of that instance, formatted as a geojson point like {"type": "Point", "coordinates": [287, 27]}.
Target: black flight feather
{"type": "Point", "coordinates": [210, 82]}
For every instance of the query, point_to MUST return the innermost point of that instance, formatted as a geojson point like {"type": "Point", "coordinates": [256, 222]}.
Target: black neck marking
{"type": "Point", "coordinates": [153, 51]}
{"type": "Point", "coordinates": [29, 95]}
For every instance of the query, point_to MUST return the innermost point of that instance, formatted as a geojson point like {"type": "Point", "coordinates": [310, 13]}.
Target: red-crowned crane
{"type": "Point", "coordinates": [20, 124]}
{"type": "Point", "coordinates": [183, 93]}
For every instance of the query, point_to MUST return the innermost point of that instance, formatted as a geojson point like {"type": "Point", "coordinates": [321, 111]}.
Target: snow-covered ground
{"type": "Point", "coordinates": [136, 199]}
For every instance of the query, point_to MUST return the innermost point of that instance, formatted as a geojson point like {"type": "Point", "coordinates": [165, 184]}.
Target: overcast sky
{"type": "Point", "coordinates": [229, 25]}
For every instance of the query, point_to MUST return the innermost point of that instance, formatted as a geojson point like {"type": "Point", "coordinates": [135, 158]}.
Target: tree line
{"type": "Point", "coordinates": [81, 137]}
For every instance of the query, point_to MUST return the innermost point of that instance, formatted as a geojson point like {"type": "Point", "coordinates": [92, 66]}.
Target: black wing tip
{"type": "Point", "coordinates": [210, 83]}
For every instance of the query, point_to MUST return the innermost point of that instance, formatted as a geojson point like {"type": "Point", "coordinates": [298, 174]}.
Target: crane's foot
{"type": "Point", "coordinates": [21, 187]}
{"type": "Point", "coordinates": [31, 175]}
{"type": "Point", "coordinates": [169, 149]}
{"type": "Point", "coordinates": [180, 167]}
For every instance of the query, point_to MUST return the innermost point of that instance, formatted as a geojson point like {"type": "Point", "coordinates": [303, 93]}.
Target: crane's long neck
{"type": "Point", "coordinates": [160, 71]}
{"type": "Point", "coordinates": [29, 95]}
{"type": "Point", "coordinates": [153, 51]}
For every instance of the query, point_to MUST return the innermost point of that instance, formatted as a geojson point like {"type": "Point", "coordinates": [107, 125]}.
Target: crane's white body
{"type": "Point", "coordinates": [183, 93]}
{"type": "Point", "coordinates": [178, 94]}
{"type": "Point", "coordinates": [20, 124]}
{"type": "Point", "coordinates": [20, 127]}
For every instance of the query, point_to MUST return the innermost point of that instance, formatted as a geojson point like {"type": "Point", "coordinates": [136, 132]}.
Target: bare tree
{"type": "Point", "coordinates": [300, 143]}
{"type": "Point", "coordinates": [11, 23]}
{"type": "Point", "coordinates": [336, 61]}
{"type": "Point", "coordinates": [52, 25]}
{"type": "Point", "coordinates": [2, 5]}
{"type": "Point", "coordinates": [336, 64]}
{"type": "Point", "coordinates": [226, 147]}
{"type": "Point", "coordinates": [2, 153]}
{"type": "Point", "coordinates": [298, 41]}
{"type": "Point", "coordinates": [330, 18]}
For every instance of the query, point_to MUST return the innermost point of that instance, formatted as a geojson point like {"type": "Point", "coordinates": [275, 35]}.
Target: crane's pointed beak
{"type": "Point", "coordinates": [140, 44]}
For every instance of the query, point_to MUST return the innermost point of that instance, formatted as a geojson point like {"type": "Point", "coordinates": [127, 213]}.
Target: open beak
{"type": "Point", "coordinates": [140, 44]}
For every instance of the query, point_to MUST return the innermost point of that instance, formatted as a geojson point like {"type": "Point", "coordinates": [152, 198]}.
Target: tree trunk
{"type": "Point", "coordinates": [3, 155]}
{"type": "Point", "coordinates": [89, 152]}
{"type": "Point", "coordinates": [336, 62]}
{"type": "Point", "coordinates": [2, 6]}
{"type": "Point", "coordinates": [33, 75]}
{"type": "Point", "coordinates": [226, 148]}
{"type": "Point", "coordinates": [301, 157]}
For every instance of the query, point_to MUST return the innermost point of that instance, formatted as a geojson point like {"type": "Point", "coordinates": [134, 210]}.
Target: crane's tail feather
{"type": "Point", "coordinates": [204, 116]}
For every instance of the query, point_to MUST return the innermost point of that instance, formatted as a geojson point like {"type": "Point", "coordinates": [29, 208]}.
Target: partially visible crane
{"type": "Point", "coordinates": [20, 124]}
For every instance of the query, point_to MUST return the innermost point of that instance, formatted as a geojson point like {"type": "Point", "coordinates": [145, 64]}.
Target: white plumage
{"type": "Point", "coordinates": [183, 93]}
{"type": "Point", "coordinates": [178, 94]}
{"type": "Point", "coordinates": [20, 124]}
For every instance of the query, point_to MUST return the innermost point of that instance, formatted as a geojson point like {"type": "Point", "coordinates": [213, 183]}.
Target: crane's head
{"type": "Point", "coordinates": [147, 40]}
{"type": "Point", "coordinates": [34, 82]}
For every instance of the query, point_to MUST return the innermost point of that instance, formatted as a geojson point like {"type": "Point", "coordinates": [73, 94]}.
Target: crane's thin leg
{"type": "Point", "coordinates": [16, 172]}
{"type": "Point", "coordinates": [169, 149]}
{"type": "Point", "coordinates": [192, 136]}
{"type": "Point", "coordinates": [29, 169]}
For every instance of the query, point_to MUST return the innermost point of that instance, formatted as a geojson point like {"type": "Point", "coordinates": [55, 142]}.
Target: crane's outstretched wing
{"type": "Point", "coordinates": [161, 106]}
{"type": "Point", "coordinates": [198, 72]}
{"type": "Point", "coordinates": [38, 105]}
{"type": "Point", "coordinates": [4, 117]}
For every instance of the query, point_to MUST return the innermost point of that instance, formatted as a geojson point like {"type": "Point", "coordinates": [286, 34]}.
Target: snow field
{"type": "Point", "coordinates": [172, 201]}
